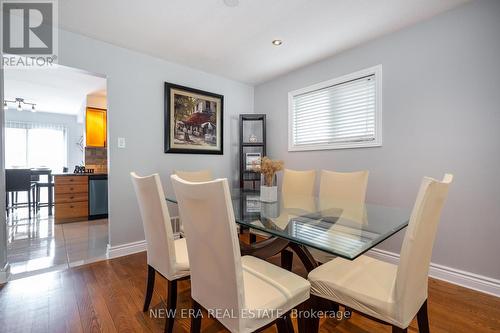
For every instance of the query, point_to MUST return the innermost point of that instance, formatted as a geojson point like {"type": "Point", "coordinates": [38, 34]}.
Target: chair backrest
{"type": "Point", "coordinates": [156, 222]}
{"type": "Point", "coordinates": [298, 182]}
{"type": "Point", "coordinates": [345, 191]}
{"type": "Point", "coordinates": [195, 176]}
{"type": "Point", "coordinates": [416, 252]}
{"type": "Point", "coordinates": [17, 180]}
{"type": "Point", "coordinates": [344, 186]}
{"type": "Point", "coordinates": [213, 246]}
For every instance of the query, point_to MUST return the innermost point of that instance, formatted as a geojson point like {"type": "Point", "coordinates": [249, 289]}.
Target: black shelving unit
{"type": "Point", "coordinates": [251, 125]}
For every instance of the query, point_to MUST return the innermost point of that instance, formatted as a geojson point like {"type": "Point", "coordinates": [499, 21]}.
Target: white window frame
{"type": "Point", "coordinates": [377, 71]}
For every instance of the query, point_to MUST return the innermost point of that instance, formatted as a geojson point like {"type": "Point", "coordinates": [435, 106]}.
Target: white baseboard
{"type": "Point", "coordinates": [462, 278]}
{"type": "Point", "coordinates": [126, 249]}
{"type": "Point", "coordinates": [139, 246]}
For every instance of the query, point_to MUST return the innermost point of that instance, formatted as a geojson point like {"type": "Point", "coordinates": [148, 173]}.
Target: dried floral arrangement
{"type": "Point", "coordinates": [268, 168]}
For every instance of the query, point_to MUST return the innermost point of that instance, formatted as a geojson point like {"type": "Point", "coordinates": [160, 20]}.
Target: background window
{"type": "Point", "coordinates": [16, 147]}
{"type": "Point", "coordinates": [340, 113]}
{"type": "Point", "coordinates": [34, 145]}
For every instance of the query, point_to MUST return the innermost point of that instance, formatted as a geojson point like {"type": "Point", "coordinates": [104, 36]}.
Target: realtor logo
{"type": "Point", "coordinates": [29, 33]}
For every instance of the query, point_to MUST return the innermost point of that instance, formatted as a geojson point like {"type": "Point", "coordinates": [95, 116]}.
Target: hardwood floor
{"type": "Point", "coordinates": [108, 296]}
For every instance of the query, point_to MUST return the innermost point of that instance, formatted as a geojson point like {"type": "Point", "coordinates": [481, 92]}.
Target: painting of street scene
{"type": "Point", "coordinates": [195, 121]}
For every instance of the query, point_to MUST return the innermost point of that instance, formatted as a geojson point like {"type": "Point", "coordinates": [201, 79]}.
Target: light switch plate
{"type": "Point", "coordinates": [121, 143]}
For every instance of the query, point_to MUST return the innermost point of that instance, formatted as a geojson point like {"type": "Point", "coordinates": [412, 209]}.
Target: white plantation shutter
{"type": "Point", "coordinates": [335, 114]}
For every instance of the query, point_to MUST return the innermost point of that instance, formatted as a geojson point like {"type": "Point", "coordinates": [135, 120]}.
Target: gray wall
{"type": "Point", "coordinates": [135, 86]}
{"type": "Point", "coordinates": [441, 97]}
{"type": "Point", "coordinates": [74, 130]}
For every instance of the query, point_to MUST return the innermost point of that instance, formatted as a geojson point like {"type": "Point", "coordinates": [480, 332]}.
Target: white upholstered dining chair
{"type": "Point", "coordinates": [195, 176]}
{"type": "Point", "coordinates": [297, 191]}
{"type": "Point", "coordinates": [165, 255]}
{"type": "Point", "coordinates": [389, 293]}
{"type": "Point", "coordinates": [343, 186]}
{"type": "Point", "coordinates": [345, 194]}
{"type": "Point", "coordinates": [298, 182]}
{"type": "Point", "coordinates": [255, 292]}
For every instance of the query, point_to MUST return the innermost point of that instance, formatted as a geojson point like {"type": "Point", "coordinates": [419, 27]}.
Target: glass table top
{"type": "Point", "coordinates": [345, 229]}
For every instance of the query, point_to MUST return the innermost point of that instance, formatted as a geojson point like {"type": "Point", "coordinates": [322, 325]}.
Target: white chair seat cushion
{"type": "Point", "coordinates": [181, 257]}
{"type": "Point", "coordinates": [365, 284]}
{"type": "Point", "coordinates": [269, 287]}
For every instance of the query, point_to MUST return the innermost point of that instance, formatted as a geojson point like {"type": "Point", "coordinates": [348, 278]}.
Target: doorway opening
{"type": "Point", "coordinates": [56, 169]}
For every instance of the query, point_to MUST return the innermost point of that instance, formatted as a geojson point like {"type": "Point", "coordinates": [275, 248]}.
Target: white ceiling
{"type": "Point", "coordinates": [235, 42]}
{"type": "Point", "coordinates": [57, 90]}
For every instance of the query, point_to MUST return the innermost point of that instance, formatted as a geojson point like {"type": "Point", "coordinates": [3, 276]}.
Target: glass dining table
{"type": "Point", "coordinates": [300, 223]}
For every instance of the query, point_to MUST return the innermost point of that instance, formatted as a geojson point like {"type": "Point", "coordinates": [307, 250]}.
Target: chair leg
{"type": "Point", "coordinates": [171, 305]}
{"type": "Point", "coordinates": [396, 329]}
{"type": "Point", "coordinates": [423, 319]}
{"type": "Point", "coordinates": [287, 259]}
{"type": "Point", "coordinates": [284, 324]}
{"type": "Point", "coordinates": [7, 203]}
{"type": "Point", "coordinates": [308, 323]}
{"type": "Point", "coordinates": [281, 325]}
{"type": "Point", "coordinates": [289, 324]}
{"type": "Point", "coordinates": [196, 319]}
{"type": "Point", "coordinates": [37, 198]}
{"type": "Point", "coordinates": [29, 204]}
{"type": "Point", "coordinates": [253, 238]}
{"type": "Point", "coordinates": [149, 288]}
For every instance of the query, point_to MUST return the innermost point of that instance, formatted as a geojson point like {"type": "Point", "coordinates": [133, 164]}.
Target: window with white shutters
{"type": "Point", "coordinates": [340, 113]}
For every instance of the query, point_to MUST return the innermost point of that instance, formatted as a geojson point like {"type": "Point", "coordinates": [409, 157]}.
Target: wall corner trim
{"type": "Point", "coordinates": [5, 274]}
{"type": "Point", "coordinates": [455, 276]}
{"type": "Point", "coordinates": [125, 249]}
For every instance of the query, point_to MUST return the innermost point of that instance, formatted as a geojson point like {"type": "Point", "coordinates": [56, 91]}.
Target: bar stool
{"type": "Point", "coordinates": [19, 180]}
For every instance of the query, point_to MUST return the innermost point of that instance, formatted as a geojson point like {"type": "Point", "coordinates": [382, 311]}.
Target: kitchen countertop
{"type": "Point", "coordinates": [80, 174]}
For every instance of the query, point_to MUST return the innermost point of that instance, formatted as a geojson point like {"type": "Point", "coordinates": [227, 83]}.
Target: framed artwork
{"type": "Point", "coordinates": [193, 121]}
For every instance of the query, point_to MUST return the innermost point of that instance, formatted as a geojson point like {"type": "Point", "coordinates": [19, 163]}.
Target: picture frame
{"type": "Point", "coordinates": [250, 158]}
{"type": "Point", "coordinates": [253, 204]}
{"type": "Point", "coordinates": [194, 121]}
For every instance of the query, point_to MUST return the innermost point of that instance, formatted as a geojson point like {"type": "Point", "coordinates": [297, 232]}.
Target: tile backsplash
{"type": "Point", "coordinates": [96, 158]}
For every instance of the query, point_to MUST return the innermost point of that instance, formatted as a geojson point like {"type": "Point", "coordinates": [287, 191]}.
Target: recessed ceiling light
{"type": "Point", "coordinates": [231, 3]}
{"type": "Point", "coordinates": [277, 42]}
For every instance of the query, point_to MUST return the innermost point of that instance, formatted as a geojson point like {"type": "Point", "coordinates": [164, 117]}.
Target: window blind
{"type": "Point", "coordinates": [339, 113]}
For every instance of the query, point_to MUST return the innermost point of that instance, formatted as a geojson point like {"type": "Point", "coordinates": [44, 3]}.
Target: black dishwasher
{"type": "Point", "coordinates": [98, 197]}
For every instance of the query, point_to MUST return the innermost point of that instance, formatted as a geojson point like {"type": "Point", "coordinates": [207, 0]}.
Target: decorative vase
{"type": "Point", "coordinates": [269, 192]}
{"type": "Point", "coordinates": [270, 210]}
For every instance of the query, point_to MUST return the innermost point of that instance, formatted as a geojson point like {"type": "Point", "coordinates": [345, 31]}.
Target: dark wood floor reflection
{"type": "Point", "coordinates": [107, 297]}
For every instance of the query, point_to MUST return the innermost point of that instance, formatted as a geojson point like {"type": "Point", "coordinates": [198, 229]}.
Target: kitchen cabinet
{"type": "Point", "coordinates": [71, 198]}
{"type": "Point", "coordinates": [95, 127]}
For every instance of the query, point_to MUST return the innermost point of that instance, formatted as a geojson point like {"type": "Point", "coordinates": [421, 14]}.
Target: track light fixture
{"type": "Point", "coordinates": [20, 103]}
